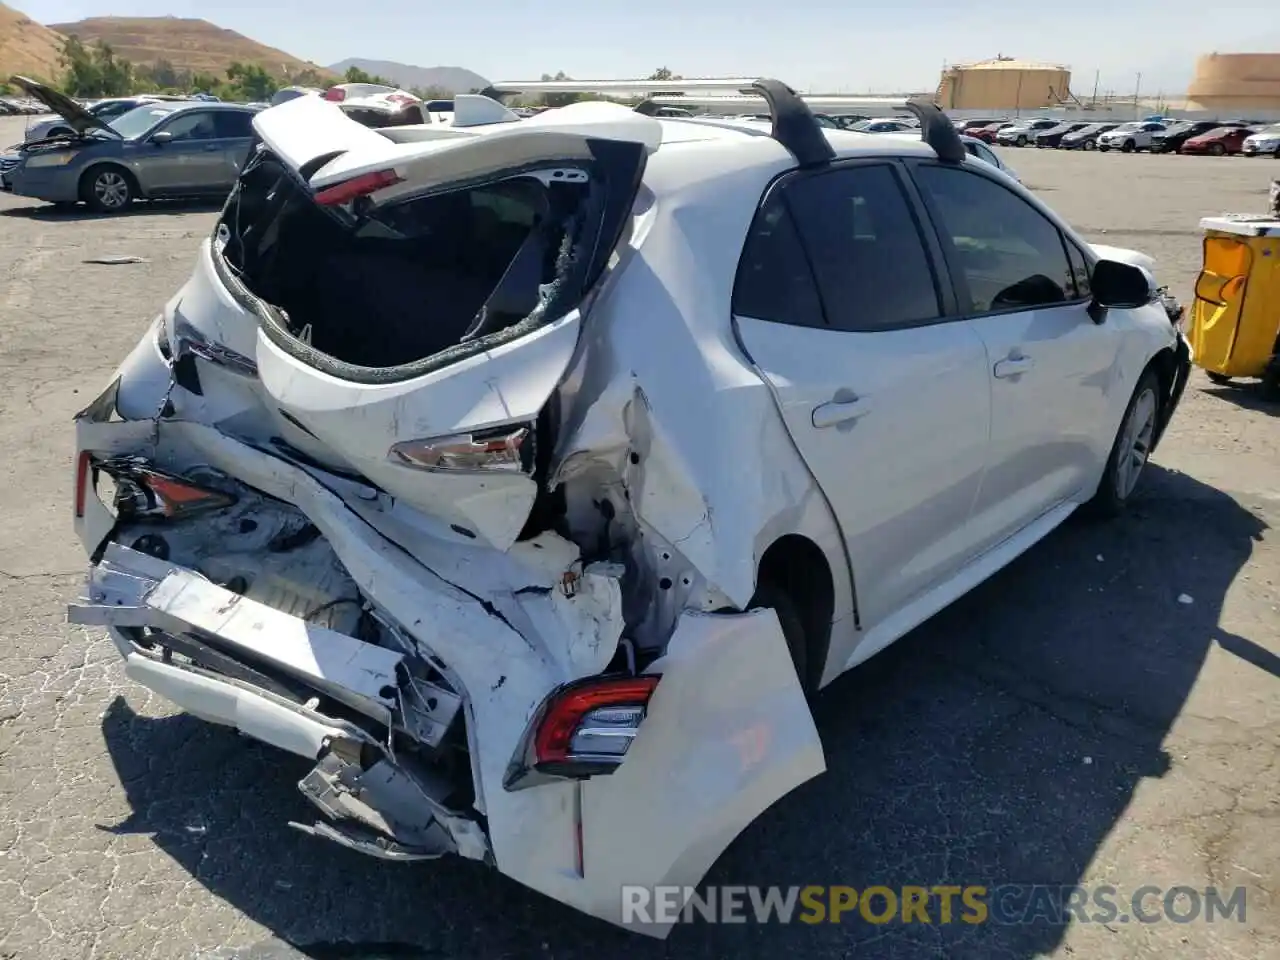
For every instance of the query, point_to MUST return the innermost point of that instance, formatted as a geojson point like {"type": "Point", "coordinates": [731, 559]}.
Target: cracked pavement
{"type": "Point", "coordinates": [1069, 722]}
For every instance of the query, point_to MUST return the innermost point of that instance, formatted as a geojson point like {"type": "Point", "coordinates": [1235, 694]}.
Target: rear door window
{"type": "Point", "coordinates": [862, 237]}
{"type": "Point", "coordinates": [234, 124]}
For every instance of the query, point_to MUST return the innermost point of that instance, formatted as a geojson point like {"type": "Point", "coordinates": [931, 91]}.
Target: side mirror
{"type": "Point", "coordinates": [161, 138]}
{"type": "Point", "coordinates": [1121, 285]}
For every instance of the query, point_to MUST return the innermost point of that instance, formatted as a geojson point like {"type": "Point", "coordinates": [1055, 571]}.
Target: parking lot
{"type": "Point", "coordinates": [1104, 712]}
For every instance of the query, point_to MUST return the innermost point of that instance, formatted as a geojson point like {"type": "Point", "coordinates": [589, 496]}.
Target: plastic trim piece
{"type": "Point", "coordinates": [938, 131]}
{"type": "Point", "coordinates": [794, 125]}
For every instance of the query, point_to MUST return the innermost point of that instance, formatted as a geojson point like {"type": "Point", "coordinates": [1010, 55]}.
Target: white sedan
{"type": "Point", "coordinates": [528, 479]}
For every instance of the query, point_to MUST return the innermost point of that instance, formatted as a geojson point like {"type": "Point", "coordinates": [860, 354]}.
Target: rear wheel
{"type": "Point", "coordinates": [1022, 141]}
{"type": "Point", "coordinates": [1131, 448]}
{"type": "Point", "coordinates": [1129, 147]}
{"type": "Point", "coordinates": [1090, 145]}
{"type": "Point", "coordinates": [107, 189]}
{"type": "Point", "coordinates": [1217, 149]}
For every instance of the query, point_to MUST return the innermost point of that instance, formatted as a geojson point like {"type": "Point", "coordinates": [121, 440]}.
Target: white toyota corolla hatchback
{"type": "Point", "coordinates": [528, 476]}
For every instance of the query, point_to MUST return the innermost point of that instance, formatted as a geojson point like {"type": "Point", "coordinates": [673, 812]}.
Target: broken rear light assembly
{"type": "Point", "coordinates": [583, 729]}
{"type": "Point", "coordinates": [505, 449]}
{"type": "Point", "coordinates": [356, 187]}
{"type": "Point", "coordinates": [143, 493]}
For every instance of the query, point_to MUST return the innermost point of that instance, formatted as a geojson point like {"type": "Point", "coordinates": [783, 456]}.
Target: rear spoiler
{"type": "Point", "coordinates": [792, 121]}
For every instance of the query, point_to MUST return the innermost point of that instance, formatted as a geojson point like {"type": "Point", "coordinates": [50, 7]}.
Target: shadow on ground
{"type": "Point", "coordinates": [1249, 394]}
{"type": "Point", "coordinates": [999, 743]}
{"type": "Point", "coordinates": [75, 213]}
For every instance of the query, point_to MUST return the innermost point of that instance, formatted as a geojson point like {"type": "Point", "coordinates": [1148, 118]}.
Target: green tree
{"type": "Point", "coordinates": [308, 78]}
{"type": "Point", "coordinates": [249, 81]}
{"type": "Point", "coordinates": [356, 75]}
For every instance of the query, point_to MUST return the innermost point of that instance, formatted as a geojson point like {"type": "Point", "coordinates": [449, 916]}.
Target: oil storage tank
{"type": "Point", "coordinates": [1003, 84]}
{"type": "Point", "coordinates": [1244, 83]}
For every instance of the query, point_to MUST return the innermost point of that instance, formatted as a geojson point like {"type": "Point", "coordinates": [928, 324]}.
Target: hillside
{"type": "Point", "coordinates": [195, 46]}
{"type": "Point", "coordinates": [449, 78]}
{"type": "Point", "coordinates": [26, 47]}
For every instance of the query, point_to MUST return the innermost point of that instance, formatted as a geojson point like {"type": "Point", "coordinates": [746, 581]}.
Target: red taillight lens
{"type": "Point", "coordinates": [335, 94]}
{"type": "Point", "coordinates": [505, 449]}
{"type": "Point", "coordinates": [145, 493]}
{"type": "Point", "coordinates": [359, 186]}
{"type": "Point", "coordinates": [593, 720]}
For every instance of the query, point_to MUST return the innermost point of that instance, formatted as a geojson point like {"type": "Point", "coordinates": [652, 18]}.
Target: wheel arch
{"type": "Point", "coordinates": [94, 167]}
{"type": "Point", "coordinates": [798, 566]}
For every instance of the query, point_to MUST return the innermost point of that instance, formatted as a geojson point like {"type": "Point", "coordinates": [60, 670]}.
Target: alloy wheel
{"type": "Point", "coordinates": [1135, 445]}
{"type": "Point", "coordinates": [111, 190]}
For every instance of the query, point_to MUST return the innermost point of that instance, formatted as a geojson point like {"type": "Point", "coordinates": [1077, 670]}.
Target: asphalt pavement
{"type": "Point", "coordinates": [1074, 721]}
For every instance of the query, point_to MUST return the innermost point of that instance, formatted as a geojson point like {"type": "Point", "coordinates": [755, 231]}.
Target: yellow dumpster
{"type": "Point", "coordinates": [1235, 319]}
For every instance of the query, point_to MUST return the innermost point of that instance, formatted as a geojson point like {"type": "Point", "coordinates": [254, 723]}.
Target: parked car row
{"type": "Point", "coordinates": [1164, 135]}
{"type": "Point", "coordinates": [20, 106]}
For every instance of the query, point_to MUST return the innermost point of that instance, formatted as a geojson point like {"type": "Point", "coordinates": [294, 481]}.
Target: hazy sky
{"type": "Point", "coordinates": [811, 44]}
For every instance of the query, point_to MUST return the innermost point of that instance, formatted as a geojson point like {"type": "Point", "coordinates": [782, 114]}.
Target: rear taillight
{"type": "Point", "coordinates": [504, 449]}
{"type": "Point", "coordinates": [146, 494]}
{"type": "Point", "coordinates": [583, 729]}
{"type": "Point", "coordinates": [360, 186]}
{"type": "Point", "coordinates": [335, 94]}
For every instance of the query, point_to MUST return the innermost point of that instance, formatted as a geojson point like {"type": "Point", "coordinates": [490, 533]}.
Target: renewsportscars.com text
{"type": "Point", "coordinates": [1008, 904]}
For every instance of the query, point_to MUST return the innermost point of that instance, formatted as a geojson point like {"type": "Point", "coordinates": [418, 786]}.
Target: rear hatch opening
{"type": "Point", "coordinates": [353, 285]}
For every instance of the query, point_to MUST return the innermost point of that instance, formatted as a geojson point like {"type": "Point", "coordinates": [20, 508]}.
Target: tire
{"type": "Point", "coordinates": [1221, 379]}
{"type": "Point", "coordinates": [1103, 148]}
{"type": "Point", "coordinates": [1217, 149]}
{"type": "Point", "coordinates": [1129, 147]}
{"type": "Point", "coordinates": [1090, 145]}
{"type": "Point", "coordinates": [1277, 153]}
{"type": "Point", "coordinates": [108, 189]}
{"type": "Point", "coordinates": [1137, 429]}
{"type": "Point", "coordinates": [1022, 141]}
{"type": "Point", "coordinates": [771, 595]}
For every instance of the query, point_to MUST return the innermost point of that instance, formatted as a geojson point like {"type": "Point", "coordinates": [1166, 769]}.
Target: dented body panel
{"type": "Point", "coordinates": [511, 579]}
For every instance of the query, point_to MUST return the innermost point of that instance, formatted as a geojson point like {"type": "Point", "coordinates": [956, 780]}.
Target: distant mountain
{"type": "Point", "coordinates": [27, 48]}
{"type": "Point", "coordinates": [405, 75]}
{"type": "Point", "coordinates": [197, 46]}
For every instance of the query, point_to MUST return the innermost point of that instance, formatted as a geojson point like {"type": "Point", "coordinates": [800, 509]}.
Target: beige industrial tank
{"type": "Point", "coordinates": [1003, 84]}
{"type": "Point", "coordinates": [1236, 81]}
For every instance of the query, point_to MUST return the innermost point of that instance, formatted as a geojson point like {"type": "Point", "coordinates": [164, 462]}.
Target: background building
{"type": "Point", "coordinates": [1245, 83]}
{"type": "Point", "coordinates": [1003, 84]}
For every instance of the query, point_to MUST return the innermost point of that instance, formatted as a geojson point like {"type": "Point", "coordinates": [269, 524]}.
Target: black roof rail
{"type": "Point", "coordinates": [794, 125]}
{"type": "Point", "coordinates": [938, 131]}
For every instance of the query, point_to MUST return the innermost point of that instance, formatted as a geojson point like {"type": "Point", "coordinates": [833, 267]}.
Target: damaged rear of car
{"type": "Point", "coordinates": [327, 503]}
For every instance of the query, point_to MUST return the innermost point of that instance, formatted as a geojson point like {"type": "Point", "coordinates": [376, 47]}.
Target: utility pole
{"type": "Point", "coordinates": [1136, 90]}
{"type": "Point", "coordinates": [1096, 75]}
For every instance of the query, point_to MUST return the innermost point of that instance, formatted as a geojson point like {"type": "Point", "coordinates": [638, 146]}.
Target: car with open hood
{"type": "Point", "coordinates": [160, 149]}
{"type": "Point", "coordinates": [105, 110]}
{"type": "Point", "coordinates": [528, 477]}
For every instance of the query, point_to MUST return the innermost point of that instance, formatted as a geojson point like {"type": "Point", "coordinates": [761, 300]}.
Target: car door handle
{"type": "Point", "coordinates": [1013, 366]}
{"type": "Point", "coordinates": [835, 412]}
